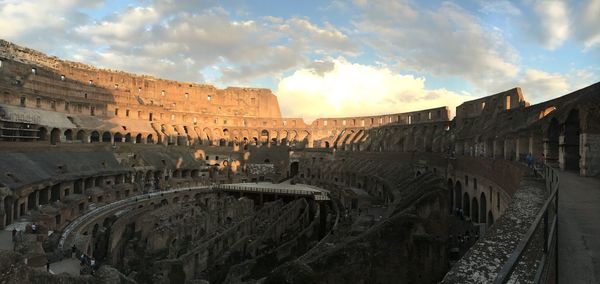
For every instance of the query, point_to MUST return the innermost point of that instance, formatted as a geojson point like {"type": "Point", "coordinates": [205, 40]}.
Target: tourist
{"type": "Point", "coordinates": [529, 160]}
{"type": "Point", "coordinates": [33, 228]}
{"type": "Point", "coordinates": [93, 264]}
{"type": "Point", "coordinates": [73, 251]}
{"type": "Point", "coordinates": [47, 266]}
{"type": "Point", "coordinates": [14, 234]}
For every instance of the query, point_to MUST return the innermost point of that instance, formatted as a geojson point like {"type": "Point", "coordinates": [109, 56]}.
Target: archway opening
{"type": "Point", "coordinates": [80, 136]}
{"type": "Point", "coordinates": [475, 214]}
{"type": "Point", "coordinates": [458, 195]}
{"type": "Point", "coordinates": [490, 218]}
{"type": "Point", "coordinates": [571, 144]}
{"type": "Point", "coordinates": [482, 209]}
{"type": "Point", "coordinates": [55, 136]}
{"type": "Point", "coordinates": [42, 134]}
{"type": "Point", "coordinates": [552, 143]}
{"type": "Point", "coordinates": [118, 138]}
{"type": "Point", "coordinates": [294, 169]}
{"type": "Point", "coordinates": [106, 137]}
{"type": "Point", "coordinates": [95, 137]}
{"type": "Point", "coordinates": [466, 205]}
{"type": "Point", "coordinates": [68, 135]}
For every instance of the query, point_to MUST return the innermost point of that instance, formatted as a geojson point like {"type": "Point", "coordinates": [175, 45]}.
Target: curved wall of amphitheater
{"type": "Point", "coordinates": [164, 181]}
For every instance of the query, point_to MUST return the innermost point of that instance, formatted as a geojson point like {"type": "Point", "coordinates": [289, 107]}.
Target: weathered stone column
{"type": "Point", "coordinates": [536, 147]}
{"type": "Point", "coordinates": [522, 143]}
{"type": "Point", "coordinates": [590, 154]}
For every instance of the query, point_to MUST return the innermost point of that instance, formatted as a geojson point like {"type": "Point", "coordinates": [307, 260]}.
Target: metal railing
{"type": "Point", "coordinates": [547, 267]}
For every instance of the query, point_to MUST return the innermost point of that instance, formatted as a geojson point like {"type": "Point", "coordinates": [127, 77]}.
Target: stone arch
{"type": "Point", "coordinates": [217, 134]}
{"type": "Point", "coordinates": [149, 139]}
{"type": "Point", "coordinates": [552, 135]}
{"type": "Point", "coordinates": [274, 137]}
{"type": "Point", "coordinates": [8, 205]}
{"type": "Point", "coordinates": [128, 137]}
{"type": "Point", "coordinates": [42, 134]}
{"type": "Point", "coordinates": [264, 136]}
{"type": "Point", "coordinates": [106, 136]}
{"type": "Point", "coordinates": [475, 211]}
{"type": "Point", "coordinates": [283, 135]}
{"type": "Point", "coordinates": [458, 195]}
{"type": "Point", "coordinates": [482, 208]}
{"type": "Point", "coordinates": [68, 135]}
{"type": "Point", "coordinates": [466, 204]}
{"type": "Point", "coordinates": [207, 135]}
{"type": "Point", "coordinates": [571, 141]}
{"type": "Point", "coordinates": [80, 136]}
{"type": "Point", "coordinates": [55, 136]}
{"type": "Point", "coordinates": [349, 135]}
{"type": "Point", "coordinates": [294, 169]}
{"type": "Point", "coordinates": [138, 138]}
{"type": "Point", "coordinates": [226, 135]}
{"type": "Point", "coordinates": [118, 137]}
{"type": "Point", "coordinates": [292, 135]}
{"type": "Point", "coordinates": [95, 136]}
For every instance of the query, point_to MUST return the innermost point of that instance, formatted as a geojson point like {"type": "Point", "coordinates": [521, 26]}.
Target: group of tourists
{"type": "Point", "coordinates": [464, 240]}
{"type": "Point", "coordinates": [458, 212]}
{"type": "Point", "coordinates": [85, 260]}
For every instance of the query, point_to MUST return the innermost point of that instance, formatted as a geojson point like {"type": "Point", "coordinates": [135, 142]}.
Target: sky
{"type": "Point", "coordinates": [329, 58]}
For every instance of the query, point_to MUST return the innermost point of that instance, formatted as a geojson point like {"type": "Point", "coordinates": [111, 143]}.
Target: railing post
{"type": "Point", "coordinates": [556, 229]}
{"type": "Point", "coordinates": [546, 232]}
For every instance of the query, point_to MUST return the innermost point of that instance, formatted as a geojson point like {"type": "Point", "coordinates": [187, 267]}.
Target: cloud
{"type": "Point", "coordinates": [550, 24]}
{"type": "Point", "coordinates": [587, 22]}
{"type": "Point", "coordinates": [41, 24]}
{"type": "Point", "coordinates": [173, 40]}
{"type": "Point", "coordinates": [443, 41]}
{"type": "Point", "coordinates": [350, 89]}
{"type": "Point", "coordinates": [539, 85]}
{"type": "Point", "coordinates": [502, 7]}
{"type": "Point", "coordinates": [180, 42]}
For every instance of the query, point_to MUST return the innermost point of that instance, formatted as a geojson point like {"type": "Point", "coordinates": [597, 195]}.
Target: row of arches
{"type": "Point", "coordinates": [474, 207]}
{"type": "Point", "coordinates": [557, 141]}
{"type": "Point", "coordinates": [82, 136]}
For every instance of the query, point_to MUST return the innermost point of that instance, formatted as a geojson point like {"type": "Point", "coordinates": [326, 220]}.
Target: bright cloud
{"type": "Point", "coordinates": [587, 23]}
{"type": "Point", "coordinates": [552, 26]}
{"type": "Point", "coordinates": [349, 89]}
{"type": "Point", "coordinates": [444, 41]}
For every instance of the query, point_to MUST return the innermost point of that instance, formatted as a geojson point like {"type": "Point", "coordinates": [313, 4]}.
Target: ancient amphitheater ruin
{"type": "Point", "coordinates": [163, 181]}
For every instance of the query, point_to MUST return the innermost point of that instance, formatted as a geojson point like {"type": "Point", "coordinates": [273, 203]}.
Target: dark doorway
{"type": "Point", "coordinates": [571, 146]}
{"type": "Point", "coordinates": [294, 169]}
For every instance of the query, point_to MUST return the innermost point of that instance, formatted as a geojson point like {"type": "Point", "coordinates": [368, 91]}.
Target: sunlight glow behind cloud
{"type": "Point", "coordinates": [350, 89]}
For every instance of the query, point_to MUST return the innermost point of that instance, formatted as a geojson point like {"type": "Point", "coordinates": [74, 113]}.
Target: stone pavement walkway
{"type": "Point", "coordinates": [68, 265]}
{"type": "Point", "coordinates": [579, 229]}
{"type": "Point", "coordinates": [6, 242]}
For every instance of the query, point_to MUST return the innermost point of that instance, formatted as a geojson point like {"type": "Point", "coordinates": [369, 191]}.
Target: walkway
{"type": "Point", "coordinates": [579, 229]}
